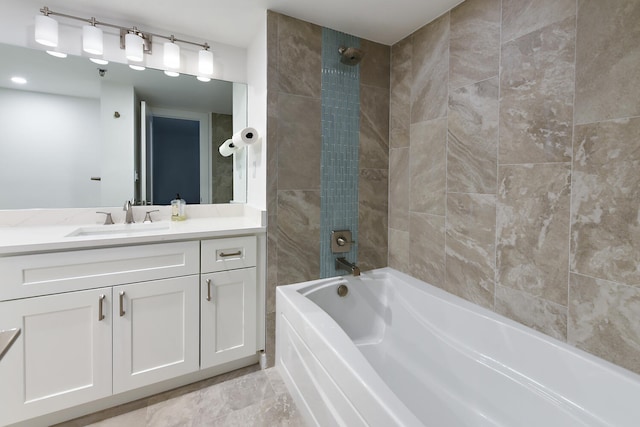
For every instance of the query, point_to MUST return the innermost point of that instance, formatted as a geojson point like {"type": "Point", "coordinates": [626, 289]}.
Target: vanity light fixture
{"type": "Point", "coordinates": [134, 45]}
{"type": "Point", "coordinates": [205, 64]}
{"type": "Point", "coordinates": [46, 29]}
{"type": "Point", "coordinates": [134, 42]}
{"type": "Point", "coordinates": [137, 67]}
{"type": "Point", "coordinates": [92, 38]}
{"type": "Point", "coordinates": [171, 57]}
{"type": "Point", "coordinates": [19, 80]}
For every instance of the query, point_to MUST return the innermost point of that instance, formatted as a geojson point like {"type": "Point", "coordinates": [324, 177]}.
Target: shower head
{"type": "Point", "coordinates": [350, 55]}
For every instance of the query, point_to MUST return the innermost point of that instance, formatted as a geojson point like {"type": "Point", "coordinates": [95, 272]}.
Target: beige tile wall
{"type": "Point", "coordinates": [294, 49]}
{"type": "Point", "coordinates": [514, 165]}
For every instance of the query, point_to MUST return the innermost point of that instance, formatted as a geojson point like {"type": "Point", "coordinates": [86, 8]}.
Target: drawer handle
{"type": "Point", "coordinates": [122, 303]}
{"type": "Point", "coordinates": [224, 255]}
{"type": "Point", "coordinates": [208, 289]}
{"type": "Point", "coordinates": [100, 312]}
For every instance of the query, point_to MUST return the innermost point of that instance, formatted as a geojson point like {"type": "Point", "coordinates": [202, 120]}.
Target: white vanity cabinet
{"type": "Point", "coordinates": [74, 347]}
{"type": "Point", "coordinates": [228, 295]}
{"type": "Point", "coordinates": [155, 331]}
{"type": "Point", "coordinates": [100, 326]}
{"type": "Point", "coordinates": [62, 356]}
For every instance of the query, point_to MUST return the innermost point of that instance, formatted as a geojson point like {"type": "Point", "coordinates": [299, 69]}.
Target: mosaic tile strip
{"type": "Point", "coordinates": [340, 148]}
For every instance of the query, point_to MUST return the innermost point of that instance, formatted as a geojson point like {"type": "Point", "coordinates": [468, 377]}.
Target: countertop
{"type": "Point", "coordinates": [34, 239]}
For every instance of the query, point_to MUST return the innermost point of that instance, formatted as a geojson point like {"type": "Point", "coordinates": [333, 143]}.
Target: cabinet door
{"type": "Point", "coordinates": [228, 316]}
{"type": "Point", "coordinates": [155, 331]}
{"type": "Point", "coordinates": [62, 356]}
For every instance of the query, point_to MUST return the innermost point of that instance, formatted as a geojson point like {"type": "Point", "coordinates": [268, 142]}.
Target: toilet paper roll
{"type": "Point", "coordinates": [245, 137]}
{"type": "Point", "coordinates": [227, 148]}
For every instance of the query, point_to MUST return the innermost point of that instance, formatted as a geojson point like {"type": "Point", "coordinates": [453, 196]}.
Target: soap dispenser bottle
{"type": "Point", "coordinates": [178, 206]}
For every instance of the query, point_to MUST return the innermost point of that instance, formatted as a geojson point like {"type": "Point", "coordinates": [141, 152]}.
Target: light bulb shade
{"type": "Point", "coordinates": [134, 47]}
{"type": "Point", "coordinates": [46, 31]}
{"type": "Point", "coordinates": [171, 56]}
{"type": "Point", "coordinates": [205, 62]}
{"type": "Point", "coordinates": [92, 40]}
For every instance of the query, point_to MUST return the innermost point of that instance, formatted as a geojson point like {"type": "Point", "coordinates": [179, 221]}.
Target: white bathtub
{"type": "Point", "coordinates": [397, 351]}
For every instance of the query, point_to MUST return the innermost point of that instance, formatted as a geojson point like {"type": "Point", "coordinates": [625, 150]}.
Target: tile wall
{"type": "Point", "coordinates": [514, 165]}
{"type": "Point", "coordinates": [294, 114]}
{"type": "Point", "coordinates": [222, 166]}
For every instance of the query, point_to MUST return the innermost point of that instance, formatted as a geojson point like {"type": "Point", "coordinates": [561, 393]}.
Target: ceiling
{"type": "Point", "coordinates": [234, 22]}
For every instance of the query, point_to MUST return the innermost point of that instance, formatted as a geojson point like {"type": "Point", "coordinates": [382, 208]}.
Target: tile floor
{"type": "Point", "coordinates": [247, 397]}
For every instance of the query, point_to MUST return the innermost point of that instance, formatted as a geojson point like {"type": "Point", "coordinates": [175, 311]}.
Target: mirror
{"type": "Point", "coordinates": [78, 134]}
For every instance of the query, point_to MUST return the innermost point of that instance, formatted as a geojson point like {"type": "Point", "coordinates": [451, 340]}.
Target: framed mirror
{"type": "Point", "coordinates": [78, 134]}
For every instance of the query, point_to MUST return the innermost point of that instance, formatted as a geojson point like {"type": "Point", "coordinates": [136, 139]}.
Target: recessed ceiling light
{"type": "Point", "coordinates": [136, 67]}
{"type": "Point", "coordinates": [19, 80]}
{"type": "Point", "coordinates": [203, 79]}
{"type": "Point", "coordinates": [172, 73]}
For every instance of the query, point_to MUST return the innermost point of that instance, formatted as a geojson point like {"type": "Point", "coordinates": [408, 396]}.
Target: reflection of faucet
{"type": "Point", "coordinates": [343, 264]}
{"type": "Point", "coordinates": [129, 212]}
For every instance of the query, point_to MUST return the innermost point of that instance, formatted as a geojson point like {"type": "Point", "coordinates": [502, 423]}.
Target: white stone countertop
{"type": "Point", "coordinates": [24, 239]}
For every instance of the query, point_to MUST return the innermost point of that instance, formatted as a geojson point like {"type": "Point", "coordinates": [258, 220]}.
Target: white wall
{"type": "Point", "coordinates": [118, 143]}
{"type": "Point", "coordinates": [17, 28]}
{"type": "Point", "coordinates": [257, 117]}
{"type": "Point", "coordinates": [48, 161]}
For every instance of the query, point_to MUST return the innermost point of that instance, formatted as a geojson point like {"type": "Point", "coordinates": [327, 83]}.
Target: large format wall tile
{"type": "Point", "coordinates": [399, 190]}
{"type": "Point", "coordinates": [300, 142]}
{"type": "Point", "coordinates": [299, 57]}
{"type": "Point", "coordinates": [470, 251]}
{"type": "Point", "coordinates": [533, 229]}
{"type": "Point", "coordinates": [472, 153]}
{"type": "Point", "coordinates": [426, 248]}
{"type": "Point", "coordinates": [539, 314]}
{"type": "Point", "coordinates": [475, 42]}
{"type": "Point", "coordinates": [272, 262]}
{"type": "Point", "coordinates": [536, 90]}
{"type": "Point", "coordinates": [374, 67]}
{"type": "Point", "coordinates": [605, 234]}
{"type": "Point", "coordinates": [298, 236]}
{"type": "Point", "coordinates": [604, 320]}
{"type": "Point", "coordinates": [399, 250]}
{"type": "Point", "coordinates": [428, 166]}
{"type": "Point", "coordinates": [400, 93]}
{"type": "Point", "coordinates": [374, 127]}
{"type": "Point", "coordinates": [607, 58]}
{"type": "Point", "coordinates": [372, 218]}
{"type": "Point", "coordinates": [430, 68]}
{"type": "Point", "coordinates": [520, 17]}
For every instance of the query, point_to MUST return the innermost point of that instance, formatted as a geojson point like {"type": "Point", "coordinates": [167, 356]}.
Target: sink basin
{"type": "Point", "coordinates": [117, 230]}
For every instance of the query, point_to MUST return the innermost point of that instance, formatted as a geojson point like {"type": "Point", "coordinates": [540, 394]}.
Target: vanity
{"type": "Point", "coordinates": [105, 316]}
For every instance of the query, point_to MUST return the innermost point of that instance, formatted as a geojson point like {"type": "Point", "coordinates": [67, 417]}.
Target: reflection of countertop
{"type": "Point", "coordinates": [41, 238]}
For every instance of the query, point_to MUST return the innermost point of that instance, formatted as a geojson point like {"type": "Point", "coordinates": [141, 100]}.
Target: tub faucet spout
{"type": "Point", "coordinates": [343, 264]}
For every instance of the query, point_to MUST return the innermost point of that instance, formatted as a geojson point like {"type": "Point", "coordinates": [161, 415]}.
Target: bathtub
{"type": "Point", "coordinates": [396, 351]}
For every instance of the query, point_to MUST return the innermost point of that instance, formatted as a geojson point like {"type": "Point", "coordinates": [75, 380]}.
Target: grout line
{"type": "Point", "coordinates": [446, 160]}
{"type": "Point", "coordinates": [573, 140]}
{"type": "Point", "coordinates": [495, 231]}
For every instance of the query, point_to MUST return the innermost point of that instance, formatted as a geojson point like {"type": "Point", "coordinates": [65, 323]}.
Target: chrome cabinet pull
{"type": "Point", "coordinates": [208, 289]}
{"type": "Point", "coordinates": [121, 303]}
{"type": "Point", "coordinates": [224, 255]}
{"type": "Point", "coordinates": [7, 338]}
{"type": "Point", "coordinates": [100, 312]}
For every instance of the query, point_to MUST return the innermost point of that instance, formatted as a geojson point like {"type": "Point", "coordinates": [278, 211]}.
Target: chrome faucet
{"type": "Point", "coordinates": [343, 264]}
{"type": "Point", "coordinates": [129, 212]}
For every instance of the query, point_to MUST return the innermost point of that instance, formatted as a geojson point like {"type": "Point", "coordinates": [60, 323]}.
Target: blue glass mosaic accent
{"type": "Point", "coordinates": [340, 148]}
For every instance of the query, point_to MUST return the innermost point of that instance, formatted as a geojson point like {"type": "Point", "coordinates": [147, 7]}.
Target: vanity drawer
{"type": "Point", "coordinates": [228, 254]}
{"type": "Point", "coordinates": [42, 274]}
